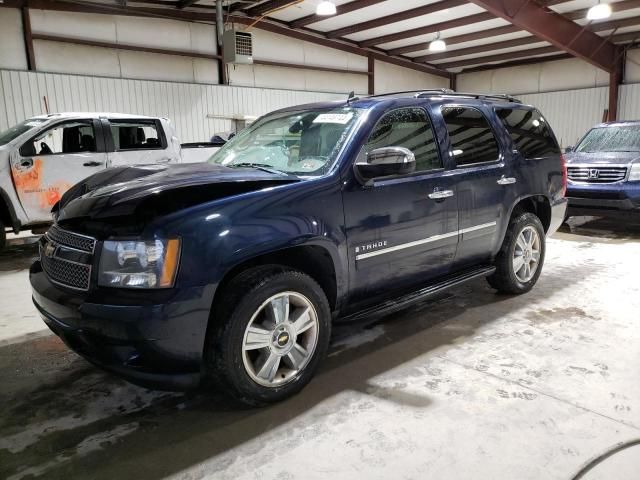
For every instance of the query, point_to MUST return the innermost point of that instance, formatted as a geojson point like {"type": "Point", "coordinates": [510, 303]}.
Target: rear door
{"type": "Point", "coordinates": [485, 186]}
{"type": "Point", "coordinates": [136, 142]}
{"type": "Point", "coordinates": [54, 160]}
{"type": "Point", "coordinates": [402, 230]}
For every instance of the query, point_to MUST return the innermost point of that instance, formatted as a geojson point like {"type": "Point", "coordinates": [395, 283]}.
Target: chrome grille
{"type": "Point", "coordinates": [66, 258]}
{"type": "Point", "coordinates": [69, 274]}
{"type": "Point", "coordinates": [70, 239]}
{"type": "Point", "coordinates": [597, 174]}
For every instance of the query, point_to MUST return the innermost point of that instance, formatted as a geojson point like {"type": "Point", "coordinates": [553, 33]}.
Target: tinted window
{"type": "Point", "coordinates": [472, 140]}
{"type": "Point", "coordinates": [611, 139]}
{"type": "Point", "coordinates": [408, 128]}
{"type": "Point", "coordinates": [135, 135]}
{"type": "Point", "coordinates": [70, 137]}
{"type": "Point", "coordinates": [529, 131]}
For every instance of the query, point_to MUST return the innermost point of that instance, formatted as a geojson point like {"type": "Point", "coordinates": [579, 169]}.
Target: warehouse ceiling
{"type": "Point", "coordinates": [480, 34]}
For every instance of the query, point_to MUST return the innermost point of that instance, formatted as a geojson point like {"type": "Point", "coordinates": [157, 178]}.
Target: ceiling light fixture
{"type": "Point", "coordinates": [438, 45]}
{"type": "Point", "coordinates": [599, 11]}
{"type": "Point", "coordinates": [325, 8]}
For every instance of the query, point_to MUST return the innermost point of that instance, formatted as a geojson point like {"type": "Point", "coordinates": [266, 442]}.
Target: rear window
{"type": "Point", "coordinates": [472, 140]}
{"type": "Point", "coordinates": [529, 131]}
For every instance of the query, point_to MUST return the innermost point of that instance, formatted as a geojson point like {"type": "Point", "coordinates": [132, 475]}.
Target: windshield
{"type": "Point", "coordinates": [303, 143]}
{"type": "Point", "coordinates": [611, 139]}
{"type": "Point", "coordinates": [17, 130]}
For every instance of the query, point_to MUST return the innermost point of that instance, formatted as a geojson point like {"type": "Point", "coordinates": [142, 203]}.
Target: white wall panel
{"type": "Point", "coordinates": [79, 59]}
{"type": "Point", "coordinates": [198, 111]}
{"type": "Point", "coordinates": [570, 113]}
{"type": "Point", "coordinates": [629, 102]}
{"type": "Point", "coordinates": [392, 78]}
{"type": "Point", "coordinates": [12, 51]}
{"type": "Point", "coordinates": [89, 26]}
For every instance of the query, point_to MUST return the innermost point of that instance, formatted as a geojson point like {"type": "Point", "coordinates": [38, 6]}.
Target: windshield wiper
{"type": "Point", "coordinates": [258, 166]}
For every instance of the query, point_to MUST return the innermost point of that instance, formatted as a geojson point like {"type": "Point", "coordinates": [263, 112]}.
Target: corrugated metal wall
{"type": "Point", "coordinates": [571, 113]}
{"type": "Point", "coordinates": [189, 106]}
{"type": "Point", "coordinates": [629, 102]}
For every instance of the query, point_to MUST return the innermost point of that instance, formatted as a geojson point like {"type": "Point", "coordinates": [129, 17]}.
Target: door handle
{"type": "Point", "coordinates": [26, 163]}
{"type": "Point", "coordinates": [506, 180]}
{"type": "Point", "coordinates": [92, 164]}
{"type": "Point", "coordinates": [440, 194]}
{"type": "Point", "coordinates": [164, 160]}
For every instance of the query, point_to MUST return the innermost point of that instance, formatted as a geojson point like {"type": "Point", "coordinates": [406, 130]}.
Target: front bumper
{"type": "Point", "coordinates": [153, 339]}
{"type": "Point", "coordinates": [604, 199]}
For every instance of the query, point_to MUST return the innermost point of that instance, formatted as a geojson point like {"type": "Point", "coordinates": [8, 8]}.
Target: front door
{"type": "Point", "coordinates": [136, 142]}
{"type": "Point", "coordinates": [402, 230]}
{"type": "Point", "coordinates": [54, 160]}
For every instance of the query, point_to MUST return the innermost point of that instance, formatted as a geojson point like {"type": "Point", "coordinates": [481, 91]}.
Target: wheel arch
{"type": "Point", "coordinates": [539, 205]}
{"type": "Point", "coordinates": [8, 213]}
{"type": "Point", "coordinates": [313, 259]}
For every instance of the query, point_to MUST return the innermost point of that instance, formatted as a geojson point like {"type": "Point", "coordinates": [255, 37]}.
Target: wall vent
{"type": "Point", "coordinates": [238, 47]}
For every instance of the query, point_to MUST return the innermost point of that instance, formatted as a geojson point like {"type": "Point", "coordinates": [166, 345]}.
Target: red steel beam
{"type": "Point", "coordinates": [340, 10]}
{"type": "Point", "coordinates": [552, 27]}
{"type": "Point", "coordinates": [396, 17]}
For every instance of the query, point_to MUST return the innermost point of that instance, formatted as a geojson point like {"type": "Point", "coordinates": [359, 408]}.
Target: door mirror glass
{"type": "Point", "coordinates": [568, 150]}
{"type": "Point", "coordinates": [384, 162]}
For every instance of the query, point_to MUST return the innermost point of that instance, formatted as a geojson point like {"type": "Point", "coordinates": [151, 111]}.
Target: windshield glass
{"type": "Point", "coordinates": [611, 139]}
{"type": "Point", "coordinates": [17, 130]}
{"type": "Point", "coordinates": [303, 143]}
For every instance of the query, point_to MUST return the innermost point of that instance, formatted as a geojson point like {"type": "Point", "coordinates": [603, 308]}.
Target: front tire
{"type": "Point", "coordinates": [271, 328]}
{"type": "Point", "coordinates": [519, 262]}
{"type": "Point", "coordinates": [3, 236]}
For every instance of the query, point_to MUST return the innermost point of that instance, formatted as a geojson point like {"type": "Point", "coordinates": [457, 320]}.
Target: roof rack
{"type": "Point", "coordinates": [446, 92]}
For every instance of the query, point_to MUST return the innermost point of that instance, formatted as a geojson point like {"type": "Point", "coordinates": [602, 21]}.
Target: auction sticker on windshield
{"type": "Point", "coordinates": [341, 118]}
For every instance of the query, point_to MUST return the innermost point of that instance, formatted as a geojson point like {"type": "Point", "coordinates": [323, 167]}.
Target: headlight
{"type": "Point", "coordinates": [634, 174]}
{"type": "Point", "coordinates": [139, 264]}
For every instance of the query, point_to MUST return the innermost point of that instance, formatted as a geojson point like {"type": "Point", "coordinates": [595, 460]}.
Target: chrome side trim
{"type": "Point", "coordinates": [402, 246]}
{"type": "Point", "coordinates": [478, 227]}
{"type": "Point", "coordinates": [434, 238]}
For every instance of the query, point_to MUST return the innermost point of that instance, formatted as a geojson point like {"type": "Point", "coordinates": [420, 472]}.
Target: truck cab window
{"type": "Point", "coordinates": [472, 140]}
{"type": "Point", "coordinates": [71, 137]}
{"type": "Point", "coordinates": [135, 135]}
{"type": "Point", "coordinates": [409, 128]}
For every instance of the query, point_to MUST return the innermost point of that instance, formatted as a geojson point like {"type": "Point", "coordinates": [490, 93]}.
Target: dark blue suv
{"type": "Point", "coordinates": [232, 272]}
{"type": "Point", "coordinates": [604, 171]}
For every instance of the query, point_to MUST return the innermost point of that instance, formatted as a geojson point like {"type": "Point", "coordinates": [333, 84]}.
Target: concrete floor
{"type": "Point", "coordinates": [471, 385]}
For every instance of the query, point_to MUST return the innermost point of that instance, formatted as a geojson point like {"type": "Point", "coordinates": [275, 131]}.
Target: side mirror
{"type": "Point", "coordinates": [384, 162]}
{"type": "Point", "coordinates": [568, 150]}
{"type": "Point", "coordinates": [28, 150]}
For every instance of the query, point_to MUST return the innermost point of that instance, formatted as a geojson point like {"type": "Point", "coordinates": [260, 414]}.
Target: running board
{"type": "Point", "coordinates": [399, 303]}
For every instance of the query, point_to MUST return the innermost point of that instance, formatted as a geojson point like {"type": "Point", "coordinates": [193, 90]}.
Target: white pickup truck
{"type": "Point", "coordinates": [42, 157]}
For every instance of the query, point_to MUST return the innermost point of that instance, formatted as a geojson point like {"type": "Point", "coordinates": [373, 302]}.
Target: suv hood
{"type": "Point", "coordinates": [150, 190]}
{"type": "Point", "coordinates": [600, 158]}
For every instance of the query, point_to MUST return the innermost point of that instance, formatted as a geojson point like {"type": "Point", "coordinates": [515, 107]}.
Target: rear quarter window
{"type": "Point", "coordinates": [529, 131]}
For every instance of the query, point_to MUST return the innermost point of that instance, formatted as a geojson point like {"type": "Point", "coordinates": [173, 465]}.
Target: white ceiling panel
{"type": "Point", "coordinates": [475, 27]}
{"type": "Point", "coordinates": [484, 41]}
{"type": "Point", "coordinates": [493, 52]}
{"type": "Point", "coordinates": [365, 14]}
{"type": "Point", "coordinates": [421, 21]}
{"type": "Point", "coordinates": [308, 7]}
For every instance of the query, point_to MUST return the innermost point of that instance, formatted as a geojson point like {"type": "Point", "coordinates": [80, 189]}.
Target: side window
{"type": "Point", "coordinates": [529, 131]}
{"type": "Point", "coordinates": [135, 135]}
{"type": "Point", "coordinates": [70, 137]}
{"type": "Point", "coordinates": [409, 128]}
{"type": "Point", "coordinates": [472, 140]}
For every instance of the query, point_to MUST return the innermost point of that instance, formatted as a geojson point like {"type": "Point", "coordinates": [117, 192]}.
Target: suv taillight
{"type": "Point", "coordinates": [565, 175]}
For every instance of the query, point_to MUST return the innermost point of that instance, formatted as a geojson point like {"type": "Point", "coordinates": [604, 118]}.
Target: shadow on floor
{"type": "Point", "coordinates": [606, 228]}
{"type": "Point", "coordinates": [65, 419]}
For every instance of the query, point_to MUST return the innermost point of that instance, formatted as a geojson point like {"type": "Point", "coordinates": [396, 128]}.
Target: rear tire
{"type": "Point", "coordinates": [270, 329]}
{"type": "Point", "coordinates": [519, 262]}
